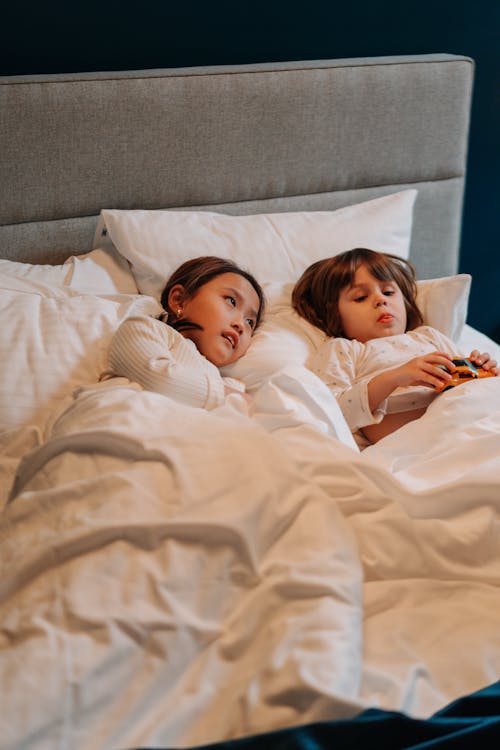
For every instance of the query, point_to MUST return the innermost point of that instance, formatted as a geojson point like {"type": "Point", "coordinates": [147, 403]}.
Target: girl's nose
{"type": "Point", "coordinates": [237, 324]}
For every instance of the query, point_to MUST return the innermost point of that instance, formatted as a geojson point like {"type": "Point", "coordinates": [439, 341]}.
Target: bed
{"type": "Point", "coordinates": [176, 577]}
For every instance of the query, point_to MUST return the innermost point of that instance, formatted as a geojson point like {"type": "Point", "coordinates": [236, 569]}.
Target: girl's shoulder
{"type": "Point", "coordinates": [138, 325]}
{"type": "Point", "coordinates": [428, 333]}
{"type": "Point", "coordinates": [335, 344]}
{"type": "Point", "coordinates": [145, 322]}
{"type": "Point", "coordinates": [147, 328]}
{"type": "Point", "coordinates": [338, 350]}
{"type": "Point", "coordinates": [340, 342]}
{"type": "Point", "coordinates": [142, 319]}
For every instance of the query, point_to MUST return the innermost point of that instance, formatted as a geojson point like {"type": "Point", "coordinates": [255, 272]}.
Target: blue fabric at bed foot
{"type": "Point", "coordinates": [469, 722]}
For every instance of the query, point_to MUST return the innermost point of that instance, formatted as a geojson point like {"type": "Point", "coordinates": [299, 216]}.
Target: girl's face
{"type": "Point", "coordinates": [370, 308]}
{"type": "Point", "coordinates": [226, 307]}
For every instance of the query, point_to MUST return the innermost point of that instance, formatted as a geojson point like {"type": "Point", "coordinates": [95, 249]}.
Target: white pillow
{"type": "Point", "coordinates": [285, 339]}
{"type": "Point", "coordinates": [443, 303]}
{"type": "Point", "coordinates": [51, 341]}
{"type": "Point", "coordinates": [101, 271]}
{"type": "Point", "coordinates": [36, 272]}
{"type": "Point", "coordinates": [274, 247]}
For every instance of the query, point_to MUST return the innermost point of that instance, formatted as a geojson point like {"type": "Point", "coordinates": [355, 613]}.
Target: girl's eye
{"type": "Point", "coordinates": [251, 322]}
{"type": "Point", "coordinates": [389, 292]}
{"type": "Point", "coordinates": [360, 298]}
{"type": "Point", "coordinates": [231, 300]}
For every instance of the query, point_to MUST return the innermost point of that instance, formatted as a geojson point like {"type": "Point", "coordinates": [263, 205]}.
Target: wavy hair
{"type": "Point", "coordinates": [315, 296]}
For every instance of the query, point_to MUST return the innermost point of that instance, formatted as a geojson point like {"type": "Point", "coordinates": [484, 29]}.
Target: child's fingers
{"type": "Point", "coordinates": [435, 376]}
{"type": "Point", "coordinates": [479, 358]}
{"type": "Point", "coordinates": [491, 366]}
{"type": "Point", "coordinates": [441, 359]}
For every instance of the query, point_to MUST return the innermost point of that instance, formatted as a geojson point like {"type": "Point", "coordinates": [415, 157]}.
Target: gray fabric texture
{"type": "Point", "coordinates": [318, 134]}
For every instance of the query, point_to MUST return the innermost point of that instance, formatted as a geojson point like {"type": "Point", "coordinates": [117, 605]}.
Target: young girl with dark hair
{"type": "Point", "coordinates": [381, 363]}
{"type": "Point", "coordinates": [212, 309]}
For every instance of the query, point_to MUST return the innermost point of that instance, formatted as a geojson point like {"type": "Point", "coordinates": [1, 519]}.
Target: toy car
{"type": "Point", "coordinates": [465, 371]}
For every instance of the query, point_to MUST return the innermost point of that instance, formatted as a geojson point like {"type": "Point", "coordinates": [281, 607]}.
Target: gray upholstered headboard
{"type": "Point", "coordinates": [243, 139]}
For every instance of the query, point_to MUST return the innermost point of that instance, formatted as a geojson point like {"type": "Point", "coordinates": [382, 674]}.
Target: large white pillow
{"type": "Point", "coordinates": [274, 247]}
{"type": "Point", "coordinates": [51, 341]}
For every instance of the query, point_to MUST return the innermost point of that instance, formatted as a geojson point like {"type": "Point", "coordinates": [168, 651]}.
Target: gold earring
{"type": "Point", "coordinates": [179, 313]}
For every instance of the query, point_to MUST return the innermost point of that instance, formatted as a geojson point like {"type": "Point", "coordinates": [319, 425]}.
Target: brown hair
{"type": "Point", "coordinates": [195, 273]}
{"type": "Point", "coordinates": [316, 294]}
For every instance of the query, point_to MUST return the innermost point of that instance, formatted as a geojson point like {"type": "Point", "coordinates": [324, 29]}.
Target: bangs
{"type": "Point", "coordinates": [382, 266]}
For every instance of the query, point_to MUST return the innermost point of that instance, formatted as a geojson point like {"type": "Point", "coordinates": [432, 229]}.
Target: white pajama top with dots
{"type": "Point", "coordinates": [348, 366]}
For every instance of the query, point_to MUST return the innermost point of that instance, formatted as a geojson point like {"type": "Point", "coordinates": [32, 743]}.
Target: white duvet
{"type": "Point", "coordinates": [172, 577]}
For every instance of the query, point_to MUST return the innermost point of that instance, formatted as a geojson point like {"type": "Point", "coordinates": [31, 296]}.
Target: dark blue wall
{"type": "Point", "coordinates": [114, 34]}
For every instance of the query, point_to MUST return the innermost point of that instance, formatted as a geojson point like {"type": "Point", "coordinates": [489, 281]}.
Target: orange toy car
{"type": "Point", "coordinates": [465, 371]}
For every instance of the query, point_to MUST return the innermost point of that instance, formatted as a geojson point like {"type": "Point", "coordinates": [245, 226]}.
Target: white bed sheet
{"type": "Point", "coordinates": [176, 577]}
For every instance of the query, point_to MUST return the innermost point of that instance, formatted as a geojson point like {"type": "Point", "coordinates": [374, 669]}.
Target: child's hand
{"type": "Point", "coordinates": [431, 370]}
{"type": "Point", "coordinates": [483, 360]}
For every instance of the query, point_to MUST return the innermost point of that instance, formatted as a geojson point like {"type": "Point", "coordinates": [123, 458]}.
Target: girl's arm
{"type": "Point", "coordinates": [419, 371]}
{"type": "Point", "coordinates": [363, 400]}
{"type": "Point", "coordinates": [424, 370]}
{"type": "Point", "coordinates": [337, 363]}
{"type": "Point", "coordinates": [153, 354]}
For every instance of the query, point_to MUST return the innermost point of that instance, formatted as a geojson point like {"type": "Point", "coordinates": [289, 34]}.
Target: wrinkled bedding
{"type": "Point", "coordinates": [172, 576]}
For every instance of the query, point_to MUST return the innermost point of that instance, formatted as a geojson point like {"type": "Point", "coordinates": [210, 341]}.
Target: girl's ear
{"type": "Point", "coordinates": [176, 297]}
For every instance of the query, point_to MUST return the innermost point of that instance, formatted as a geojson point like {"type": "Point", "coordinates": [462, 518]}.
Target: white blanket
{"type": "Point", "coordinates": [172, 576]}
{"type": "Point", "coordinates": [432, 560]}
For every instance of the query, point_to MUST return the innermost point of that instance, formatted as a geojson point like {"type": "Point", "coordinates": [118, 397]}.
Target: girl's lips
{"type": "Point", "coordinates": [231, 338]}
{"type": "Point", "coordinates": [385, 318]}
